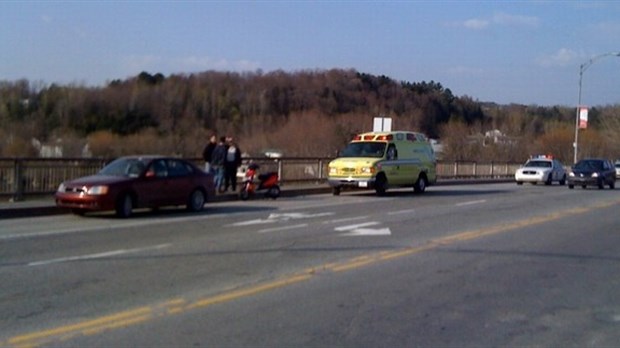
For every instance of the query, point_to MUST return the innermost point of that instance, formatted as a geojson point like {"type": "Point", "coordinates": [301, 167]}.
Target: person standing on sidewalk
{"type": "Point", "coordinates": [231, 164]}
{"type": "Point", "coordinates": [207, 153]}
{"type": "Point", "coordinates": [217, 163]}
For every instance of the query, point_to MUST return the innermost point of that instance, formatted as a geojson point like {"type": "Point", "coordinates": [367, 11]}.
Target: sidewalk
{"type": "Point", "coordinates": [41, 206]}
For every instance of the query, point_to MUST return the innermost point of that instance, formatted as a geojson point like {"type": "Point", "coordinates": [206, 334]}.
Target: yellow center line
{"type": "Point", "coordinates": [102, 322]}
{"type": "Point", "coordinates": [180, 305]}
{"type": "Point", "coordinates": [226, 297]}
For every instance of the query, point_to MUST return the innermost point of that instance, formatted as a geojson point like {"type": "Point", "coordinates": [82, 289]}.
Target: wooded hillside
{"type": "Point", "coordinates": [305, 113]}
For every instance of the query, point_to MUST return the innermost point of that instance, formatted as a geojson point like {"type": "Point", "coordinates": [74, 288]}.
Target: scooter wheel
{"type": "Point", "coordinates": [274, 192]}
{"type": "Point", "coordinates": [244, 195]}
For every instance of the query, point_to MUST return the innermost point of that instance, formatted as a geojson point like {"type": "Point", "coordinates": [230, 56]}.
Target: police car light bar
{"type": "Point", "coordinates": [541, 157]}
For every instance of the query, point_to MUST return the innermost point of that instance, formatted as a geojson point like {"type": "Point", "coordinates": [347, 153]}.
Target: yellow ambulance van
{"type": "Point", "coordinates": [381, 160]}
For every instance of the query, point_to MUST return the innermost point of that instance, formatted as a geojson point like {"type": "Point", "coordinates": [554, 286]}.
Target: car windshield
{"type": "Point", "coordinates": [589, 165]}
{"type": "Point", "coordinates": [130, 167]}
{"type": "Point", "coordinates": [364, 149]}
{"type": "Point", "coordinates": [538, 164]}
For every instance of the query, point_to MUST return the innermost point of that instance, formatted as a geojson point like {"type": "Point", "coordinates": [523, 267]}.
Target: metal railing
{"type": "Point", "coordinates": [21, 177]}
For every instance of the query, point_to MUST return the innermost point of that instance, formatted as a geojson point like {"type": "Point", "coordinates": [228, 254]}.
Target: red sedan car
{"type": "Point", "coordinates": [138, 182]}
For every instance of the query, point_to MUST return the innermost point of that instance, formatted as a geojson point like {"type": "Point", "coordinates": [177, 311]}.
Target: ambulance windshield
{"type": "Point", "coordinates": [364, 149]}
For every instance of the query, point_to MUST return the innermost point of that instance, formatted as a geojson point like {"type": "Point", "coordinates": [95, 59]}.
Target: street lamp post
{"type": "Point", "coordinates": [582, 68]}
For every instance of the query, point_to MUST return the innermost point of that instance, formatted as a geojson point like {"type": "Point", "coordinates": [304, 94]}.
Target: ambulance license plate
{"type": "Point", "coordinates": [363, 184]}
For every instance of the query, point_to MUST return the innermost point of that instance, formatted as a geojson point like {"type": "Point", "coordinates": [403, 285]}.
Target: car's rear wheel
{"type": "Point", "coordinates": [124, 205]}
{"type": "Point", "coordinates": [612, 185]}
{"type": "Point", "coordinates": [601, 184]}
{"type": "Point", "coordinates": [196, 200]}
{"type": "Point", "coordinates": [563, 180]}
{"type": "Point", "coordinates": [570, 186]}
{"type": "Point", "coordinates": [549, 179]}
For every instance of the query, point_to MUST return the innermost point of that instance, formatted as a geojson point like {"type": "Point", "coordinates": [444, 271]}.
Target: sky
{"type": "Point", "coordinates": [524, 52]}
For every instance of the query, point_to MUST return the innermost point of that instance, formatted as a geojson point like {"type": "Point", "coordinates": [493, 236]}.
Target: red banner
{"type": "Point", "coordinates": [583, 117]}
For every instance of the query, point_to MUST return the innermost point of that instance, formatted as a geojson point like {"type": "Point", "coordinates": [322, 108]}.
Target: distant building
{"type": "Point", "coordinates": [437, 147]}
{"type": "Point", "coordinates": [492, 137]}
{"type": "Point", "coordinates": [48, 150]}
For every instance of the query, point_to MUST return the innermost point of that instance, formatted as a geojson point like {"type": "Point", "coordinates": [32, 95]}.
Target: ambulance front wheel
{"type": "Point", "coordinates": [381, 184]}
{"type": "Point", "coordinates": [336, 190]}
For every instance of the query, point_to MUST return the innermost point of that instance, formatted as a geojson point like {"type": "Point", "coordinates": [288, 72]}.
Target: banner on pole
{"type": "Point", "coordinates": [583, 117]}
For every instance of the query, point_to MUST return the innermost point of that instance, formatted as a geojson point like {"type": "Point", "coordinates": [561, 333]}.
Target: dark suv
{"type": "Point", "coordinates": [592, 171]}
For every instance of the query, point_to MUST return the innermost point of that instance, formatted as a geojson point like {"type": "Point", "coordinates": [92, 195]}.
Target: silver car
{"type": "Point", "coordinates": [542, 169]}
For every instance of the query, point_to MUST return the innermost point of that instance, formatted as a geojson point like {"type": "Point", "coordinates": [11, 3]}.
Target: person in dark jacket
{"type": "Point", "coordinates": [231, 164]}
{"type": "Point", "coordinates": [207, 153]}
{"type": "Point", "coordinates": [217, 164]}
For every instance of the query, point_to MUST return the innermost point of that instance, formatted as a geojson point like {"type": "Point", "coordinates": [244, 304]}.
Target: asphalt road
{"type": "Point", "coordinates": [469, 265]}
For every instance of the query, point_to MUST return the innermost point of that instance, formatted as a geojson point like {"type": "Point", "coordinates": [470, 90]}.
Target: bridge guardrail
{"type": "Point", "coordinates": [21, 177]}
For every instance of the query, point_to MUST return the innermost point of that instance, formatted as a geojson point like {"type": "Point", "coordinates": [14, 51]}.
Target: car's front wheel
{"type": "Point", "coordinates": [124, 205]}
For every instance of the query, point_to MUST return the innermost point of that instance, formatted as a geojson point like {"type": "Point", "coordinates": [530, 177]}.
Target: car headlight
{"type": "Point", "coordinates": [595, 175]}
{"type": "Point", "coordinates": [571, 174]}
{"type": "Point", "coordinates": [61, 187]}
{"type": "Point", "coordinates": [97, 190]}
{"type": "Point", "coordinates": [333, 171]}
{"type": "Point", "coordinates": [368, 170]}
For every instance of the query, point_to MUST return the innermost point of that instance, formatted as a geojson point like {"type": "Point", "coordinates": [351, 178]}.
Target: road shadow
{"type": "Point", "coordinates": [428, 193]}
{"type": "Point", "coordinates": [175, 212]}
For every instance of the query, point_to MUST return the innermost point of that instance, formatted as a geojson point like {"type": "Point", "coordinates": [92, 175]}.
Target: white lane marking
{"type": "Point", "coordinates": [98, 255]}
{"type": "Point", "coordinates": [289, 216]}
{"type": "Point", "coordinates": [353, 227]}
{"type": "Point", "coordinates": [362, 230]}
{"type": "Point", "coordinates": [407, 211]}
{"type": "Point", "coordinates": [471, 202]}
{"type": "Point", "coordinates": [330, 202]}
{"type": "Point", "coordinates": [337, 221]}
{"type": "Point", "coordinates": [111, 226]}
{"type": "Point", "coordinates": [71, 230]}
{"type": "Point", "coordinates": [369, 232]}
{"type": "Point", "coordinates": [276, 229]}
{"type": "Point", "coordinates": [272, 218]}
{"type": "Point", "coordinates": [253, 222]}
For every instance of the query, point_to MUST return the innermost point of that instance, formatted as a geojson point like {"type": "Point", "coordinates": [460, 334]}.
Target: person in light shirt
{"type": "Point", "coordinates": [231, 164]}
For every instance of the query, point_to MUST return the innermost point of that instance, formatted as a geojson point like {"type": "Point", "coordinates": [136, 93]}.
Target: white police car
{"type": "Point", "coordinates": [543, 169]}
